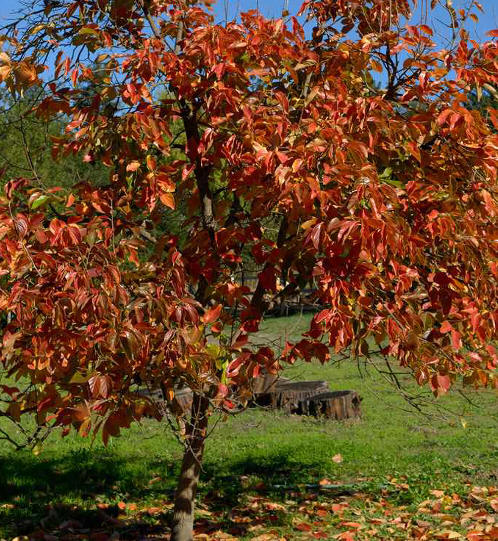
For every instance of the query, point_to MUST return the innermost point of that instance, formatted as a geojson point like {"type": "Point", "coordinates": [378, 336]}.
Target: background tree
{"type": "Point", "coordinates": [386, 197]}
{"type": "Point", "coordinates": [26, 144]}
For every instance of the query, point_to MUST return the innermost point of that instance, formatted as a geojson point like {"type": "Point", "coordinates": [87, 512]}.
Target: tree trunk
{"type": "Point", "coordinates": [183, 515]}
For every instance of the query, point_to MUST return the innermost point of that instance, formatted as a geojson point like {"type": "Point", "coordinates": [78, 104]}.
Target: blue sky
{"type": "Point", "coordinates": [487, 21]}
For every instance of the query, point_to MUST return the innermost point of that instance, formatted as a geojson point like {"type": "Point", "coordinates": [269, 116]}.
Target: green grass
{"type": "Point", "coordinates": [259, 450]}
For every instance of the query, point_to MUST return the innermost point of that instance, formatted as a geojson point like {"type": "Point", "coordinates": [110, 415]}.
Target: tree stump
{"type": "Point", "coordinates": [183, 400]}
{"type": "Point", "coordinates": [286, 395]}
{"type": "Point", "coordinates": [274, 392]}
{"type": "Point", "coordinates": [181, 403]}
{"type": "Point", "coordinates": [337, 405]}
{"type": "Point", "coordinates": [266, 383]}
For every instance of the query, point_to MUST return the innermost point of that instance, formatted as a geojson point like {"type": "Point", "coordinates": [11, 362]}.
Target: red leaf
{"type": "Point", "coordinates": [21, 226]}
{"type": "Point", "coordinates": [446, 327]}
{"type": "Point", "coordinates": [268, 279]}
{"type": "Point", "coordinates": [322, 316]}
{"type": "Point", "coordinates": [222, 390]}
{"type": "Point", "coordinates": [212, 314]}
{"type": "Point", "coordinates": [100, 386]}
{"type": "Point", "coordinates": [441, 383]}
{"type": "Point", "coordinates": [456, 339]}
{"type": "Point", "coordinates": [443, 117]}
{"type": "Point", "coordinates": [315, 235]}
{"type": "Point", "coordinates": [414, 150]}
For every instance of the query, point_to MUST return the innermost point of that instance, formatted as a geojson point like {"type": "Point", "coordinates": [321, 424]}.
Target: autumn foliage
{"type": "Point", "coordinates": [278, 146]}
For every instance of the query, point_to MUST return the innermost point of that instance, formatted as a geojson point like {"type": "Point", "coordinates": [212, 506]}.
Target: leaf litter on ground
{"type": "Point", "coordinates": [374, 513]}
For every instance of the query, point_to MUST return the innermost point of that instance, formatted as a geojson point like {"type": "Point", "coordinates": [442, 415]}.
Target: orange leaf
{"type": "Point", "coordinates": [151, 163]}
{"type": "Point", "coordinates": [414, 150]}
{"type": "Point", "coordinates": [132, 166]}
{"type": "Point", "coordinates": [492, 33]}
{"type": "Point", "coordinates": [168, 200]}
{"type": "Point", "coordinates": [26, 73]}
{"type": "Point", "coordinates": [153, 510]}
{"type": "Point", "coordinates": [70, 200]}
{"type": "Point", "coordinates": [355, 525]}
{"type": "Point", "coordinates": [446, 327]}
{"type": "Point", "coordinates": [4, 72]}
{"type": "Point", "coordinates": [212, 314]}
{"type": "Point", "coordinates": [376, 66]}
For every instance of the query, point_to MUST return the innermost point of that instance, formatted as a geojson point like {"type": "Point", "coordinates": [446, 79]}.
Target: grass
{"type": "Point", "coordinates": [257, 458]}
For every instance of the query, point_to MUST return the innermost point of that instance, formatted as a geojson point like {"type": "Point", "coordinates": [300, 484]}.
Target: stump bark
{"type": "Point", "coordinates": [337, 405]}
{"type": "Point", "coordinates": [286, 395]}
{"type": "Point", "coordinates": [312, 398]}
{"type": "Point", "coordinates": [266, 383]}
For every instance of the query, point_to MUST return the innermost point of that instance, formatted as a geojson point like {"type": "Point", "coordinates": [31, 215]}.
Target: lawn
{"type": "Point", "coordinates": [395, 474]}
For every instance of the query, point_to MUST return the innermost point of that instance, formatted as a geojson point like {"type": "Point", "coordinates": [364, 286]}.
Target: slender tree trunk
{"type": "Point", "coordinates": [183, 515]}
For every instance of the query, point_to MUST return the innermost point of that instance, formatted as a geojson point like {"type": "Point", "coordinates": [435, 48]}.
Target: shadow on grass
{"type": "Point", "coordinates": [81, 492]}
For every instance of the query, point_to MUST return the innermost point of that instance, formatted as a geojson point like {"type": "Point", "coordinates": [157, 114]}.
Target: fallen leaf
{"type": "Point", "coordinates": [448, 534]}
{"type": "Point", "coordinates": [355, 525]}
{"type": "Point", "coordinates": [153, 510]}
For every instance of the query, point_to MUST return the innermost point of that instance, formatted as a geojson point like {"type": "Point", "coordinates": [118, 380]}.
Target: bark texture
{"type": "Point", "coordinates": [183, 515]}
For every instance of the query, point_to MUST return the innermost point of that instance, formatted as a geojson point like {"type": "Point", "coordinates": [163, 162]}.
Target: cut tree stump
{"type": "Point", "coordinates": [182, 402]}
{"type": "Point", "coordinates": [266, 383]}
{"type": "Point", "coordinates": [183, 398]}
{"type": "Point", "coordinates": [286, 395]}
{"type": "Point", "coordinates": [337, 405]}
{"type": "Point", "coordinates": [274, 392]}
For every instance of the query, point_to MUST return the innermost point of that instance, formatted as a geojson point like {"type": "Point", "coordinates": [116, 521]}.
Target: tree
{"type": "Point", "coordinates": [25, 145]}
{"type": "Point", "coordinates": [386, 197]}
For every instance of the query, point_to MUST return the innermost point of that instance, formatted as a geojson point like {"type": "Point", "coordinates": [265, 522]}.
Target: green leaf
{"type": "Point", "coordinates": [395, 183]}
{"type": "Point", "coordinates": [88, 31]}
{"type": "Point", "coordinates": [39, 201]}
{"type": "Point", "coordinates": [78, 377]}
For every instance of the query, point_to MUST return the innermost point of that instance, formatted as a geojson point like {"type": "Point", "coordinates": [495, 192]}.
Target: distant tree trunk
{"type": "Point", "coordinates": [183, 515]}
